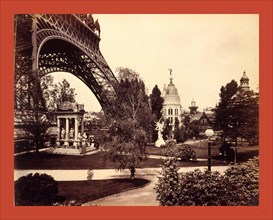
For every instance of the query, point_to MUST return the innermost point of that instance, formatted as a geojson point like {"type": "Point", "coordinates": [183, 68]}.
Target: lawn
{"type": "Point", "coordinates": [85, 191]}
{"type": "Point", "coordinates": [94, 161]}
{"type": "Point", "coordinates": [66, 162]}
{"type": "Point", "coordinates": [53, 161]}
{"type": "Point", "coordinates": [201, 148]}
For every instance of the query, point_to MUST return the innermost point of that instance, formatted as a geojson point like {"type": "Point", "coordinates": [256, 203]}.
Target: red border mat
{"type": "Point", "coordinates": [261, 7]}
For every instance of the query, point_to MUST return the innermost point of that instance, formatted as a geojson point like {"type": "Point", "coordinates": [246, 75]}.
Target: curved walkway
{"type": "Point", "coordinates": [145, 196]}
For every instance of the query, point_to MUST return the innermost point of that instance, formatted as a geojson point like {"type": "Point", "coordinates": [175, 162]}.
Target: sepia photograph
{"type": "Point", "coordinates": [136, 110]}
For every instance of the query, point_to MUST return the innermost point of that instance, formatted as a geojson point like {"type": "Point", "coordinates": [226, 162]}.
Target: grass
{"type": "Point", "coordinates": [201, 148]}
{"type": "Point", "coordinates": [54, 161]}
{"type": "Point", "coordinates": [66, 162]}
{"type": "Point", "coordinates": [85, 191]}
{"type": "Point", "coordinates": [94, 161]}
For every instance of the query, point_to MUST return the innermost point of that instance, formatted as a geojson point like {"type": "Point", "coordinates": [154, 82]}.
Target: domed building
{"type": "Point", "coordinates": [244, 83]}
{"type": "Point", "coordinates": [172, 108]}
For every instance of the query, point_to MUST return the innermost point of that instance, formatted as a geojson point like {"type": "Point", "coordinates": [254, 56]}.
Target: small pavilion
{"type": "Point", "coordinates": [71, 138]}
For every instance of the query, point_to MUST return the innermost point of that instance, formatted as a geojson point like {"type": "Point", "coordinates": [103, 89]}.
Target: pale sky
{"type": "Point", "coordinates": [204, 52]}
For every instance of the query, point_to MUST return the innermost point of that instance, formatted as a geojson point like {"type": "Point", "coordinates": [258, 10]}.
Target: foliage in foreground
{"type": "Point", "coordinates": [239, 186]}
{"type": "Point", "coordinates": [37, 189]}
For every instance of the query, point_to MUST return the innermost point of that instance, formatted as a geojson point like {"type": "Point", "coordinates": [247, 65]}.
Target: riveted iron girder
{"type": "Point", "coordinates": [65, 43]}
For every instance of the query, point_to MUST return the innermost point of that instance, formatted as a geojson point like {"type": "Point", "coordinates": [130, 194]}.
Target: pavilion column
{"type": "Point", "coordinates": [76, 132]}
{"type": "Point", "coordinates": [66, 131]}
{"type": "Point", "coordinates": [82, 127]}
{"type": "Point", "coordinates": [59, 132]}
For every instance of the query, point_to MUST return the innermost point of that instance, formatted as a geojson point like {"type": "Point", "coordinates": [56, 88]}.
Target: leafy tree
{"type": "Point", "coordinates": [56, 94]}
{"type": "Point", "coordinates": [238, 113]}
{"type": "Point", "coordinates": [189, 129]}
{"type": "Point", "coordinates": [222, 111]}
{"type": "Point", "coordinates": [179, 131]}
{"type": "Point", "coordinates": [130, 124]}
{"type": "Point", "coordinates": [167, 129]}
{"type": "Point", "coordinates": [31, 111]}
{"type": "Point", "coordinates": [97, 126]}
{"type": "Point", "coordinates": [156, 102]}
{"type": "Point", "coordinates": [244, 118]}
{"type": "Point", "coordinates": [66, 92]}
{"type": "Point", "coordinates": [50, 92]}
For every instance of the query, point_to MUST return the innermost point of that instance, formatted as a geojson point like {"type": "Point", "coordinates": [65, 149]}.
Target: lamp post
{"type": "Point", "coordinates": [209, 132]}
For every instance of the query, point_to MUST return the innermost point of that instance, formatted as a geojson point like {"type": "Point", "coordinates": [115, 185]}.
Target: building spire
{"type": "Point", "coordinates": [171, 77]}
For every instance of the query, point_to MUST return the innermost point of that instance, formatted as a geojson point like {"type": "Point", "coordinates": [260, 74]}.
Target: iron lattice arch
{"type": "Point", "coordinates": [66, 42]}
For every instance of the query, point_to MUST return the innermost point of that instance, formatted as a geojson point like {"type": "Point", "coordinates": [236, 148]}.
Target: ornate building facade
{"type": "Point", "coordinates": [172, 108]}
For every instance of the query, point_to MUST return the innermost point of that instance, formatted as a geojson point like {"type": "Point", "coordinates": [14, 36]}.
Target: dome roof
{"type": "Point", "coordinates": [244, 77]}
{"type": "Point", "coordinates": [171, 89]}
{"type": "Point", "coordinates": [171, 94]}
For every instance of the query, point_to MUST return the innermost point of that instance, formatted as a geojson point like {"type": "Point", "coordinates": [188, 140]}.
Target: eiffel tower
{"type": "Point", "coordinates": [63, 43]}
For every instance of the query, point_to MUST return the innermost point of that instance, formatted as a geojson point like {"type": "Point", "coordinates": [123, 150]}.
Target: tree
{"type": "Point", "coordinates": [238, 113]}
{"type": "Point", "coordinates": [50, 92]}
{"type": "Point", "coordinates": [130, 124]}
{"type": "Point", "coordinates": [56, 94]}
{"type": "Point", "coordinates": [244, 118]}
{"type": "Point", "coordinates": [167, 129]}
{"type": "Point", "coordinates": [156, 104]}
{"type": "Point", "coordinates": [66, 92]}
{"type": "Point", "coordinates": [222, 111]}
{"type": "Point", "coordinates": [189, 129]}
{"type": "Point", "coordinates": [31, 111]}
{"type": "Point", "coordinates": [179, 135]}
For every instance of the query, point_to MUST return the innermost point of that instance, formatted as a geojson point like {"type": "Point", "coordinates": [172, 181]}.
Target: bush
{"type": "Point", "coordinates": [37, 189]}
{"type": "Point", "coordinates": [242, 183]}
{"type": "Point", "coordinates": [200, 188]}
{"type": "Point", "coordinates": [238, 186]}
{"type": "Point", "coordinates": [168, 187]}
{"type": "Point", "coordinates": [186, 153]}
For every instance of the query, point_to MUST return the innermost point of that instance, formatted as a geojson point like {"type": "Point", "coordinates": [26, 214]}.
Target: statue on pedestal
{"type": "Point", "coordinates": [159, 127]}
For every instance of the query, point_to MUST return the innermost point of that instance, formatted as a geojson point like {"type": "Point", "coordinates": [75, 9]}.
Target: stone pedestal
{"type": "Point", "coordinates": [160, 142]}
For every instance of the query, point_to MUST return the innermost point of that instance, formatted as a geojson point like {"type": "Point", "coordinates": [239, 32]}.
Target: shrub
{"type": "Point", "coordinates": [37, 189]}
{"type": "Point", "coordinates": [238, 186]}
{"type": "Point", "coordinates": [242, 183]}
{"type": "Point", "coordinates": [200, 188]}
{"type": "Point", "coordinates": [186, 153]}
{"type": "Point", "coordinates": [167, 188]}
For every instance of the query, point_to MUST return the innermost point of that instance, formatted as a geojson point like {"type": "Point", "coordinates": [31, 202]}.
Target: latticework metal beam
{"type": "Point", "coordinates": [65, 43]}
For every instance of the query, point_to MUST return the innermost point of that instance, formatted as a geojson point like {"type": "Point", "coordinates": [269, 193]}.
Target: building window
{"type": "Point", "coordinates": [176, 111]}
{"type": "Point", "coordinates": [170, 111]}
